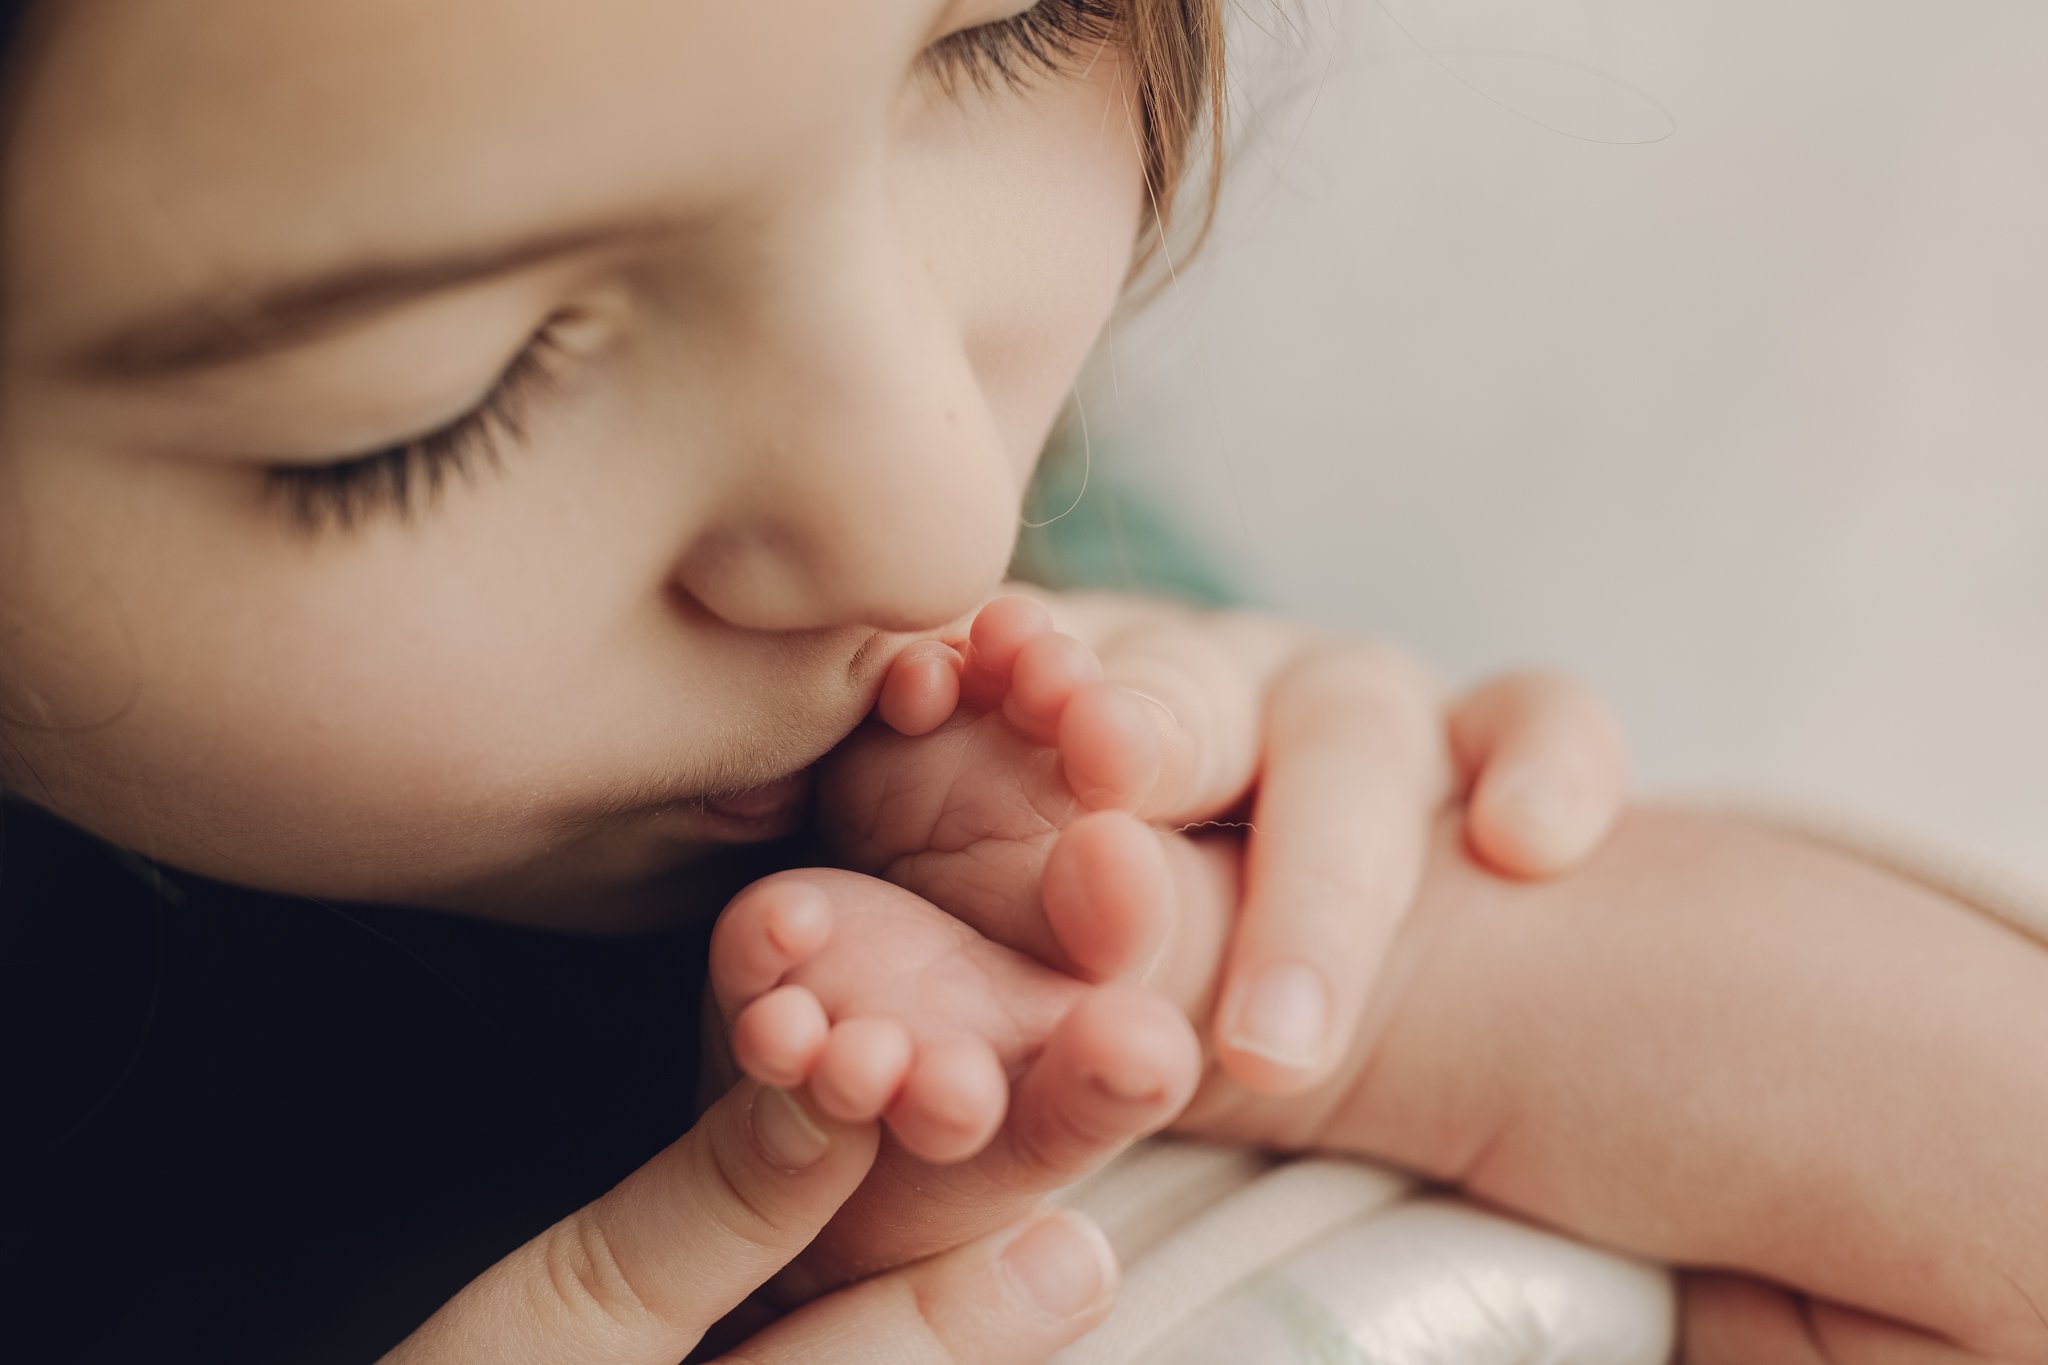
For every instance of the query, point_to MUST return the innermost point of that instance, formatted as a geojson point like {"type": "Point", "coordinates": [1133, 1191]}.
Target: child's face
{"type": "Point", "coordinates": [802, 321]}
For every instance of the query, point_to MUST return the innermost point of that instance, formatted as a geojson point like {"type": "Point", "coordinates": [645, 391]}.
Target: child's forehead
{"type": "Point", "coordinates": [211, 138]}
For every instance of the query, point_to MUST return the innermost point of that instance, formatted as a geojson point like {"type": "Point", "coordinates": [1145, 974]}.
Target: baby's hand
{"type": "Point", "coordinates": [1002, 781]}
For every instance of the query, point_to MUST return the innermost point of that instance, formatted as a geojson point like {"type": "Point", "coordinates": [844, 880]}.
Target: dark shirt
{"type": "Point", "coordinates": [245, 1127]}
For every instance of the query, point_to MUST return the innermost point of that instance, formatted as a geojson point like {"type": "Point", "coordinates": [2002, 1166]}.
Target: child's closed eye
{"type": "Point", "coordinates": [1048, 39]}
{"type": "Point", "coordinates": [339, 494]}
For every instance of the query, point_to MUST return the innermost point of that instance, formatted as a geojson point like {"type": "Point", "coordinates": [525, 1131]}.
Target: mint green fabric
{"type": "Point", "coordinates": [1117, 537]}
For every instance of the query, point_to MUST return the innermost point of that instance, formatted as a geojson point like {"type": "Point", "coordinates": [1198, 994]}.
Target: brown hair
{"type": "Point", "coordinates": [1177, 49]}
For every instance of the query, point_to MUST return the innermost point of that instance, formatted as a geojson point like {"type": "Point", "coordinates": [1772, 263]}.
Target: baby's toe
{"type": "Point", "coordinates": [952, 1102]}
{"type": "Point", "coordinates": [1122, 1064]}
{"type": "Point", "coordinates": [1107, 893]}
{"type": "Point", "coordinates": [922, 689]}
{"type": "Point", "coordinates": [1049, 671]}
{"type": "Point", "coordinates": [1110, 747]}
{"type": "Point", "coordinates": [778, 1038]}
{"type": "Point", "coordinates": [998, 635]}
{"type": "Point", "coordinates": [773, 926]}
{"type": "Point", "coordinates": [863, 1064]}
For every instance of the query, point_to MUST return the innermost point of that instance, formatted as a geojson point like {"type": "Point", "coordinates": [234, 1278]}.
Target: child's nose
{"type": "Point", "coordinates": [902, 526]}
{"type": "Point", "coordinates": [871, 484]}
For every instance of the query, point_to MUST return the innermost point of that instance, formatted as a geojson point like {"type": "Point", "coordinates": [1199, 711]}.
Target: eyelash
{"type": "Point", "coordinates": [341, 494]}
{"type": "Point", "coordinates": [1046, 40]}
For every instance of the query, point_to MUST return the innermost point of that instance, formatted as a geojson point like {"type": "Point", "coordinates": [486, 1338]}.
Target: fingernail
{"type": "Point", "coordinates": [1061, 1264]}
{"type": "Point", "coordinates": [1283, 1016]}
{"type": "Point", "coordinates": [789, 1137]}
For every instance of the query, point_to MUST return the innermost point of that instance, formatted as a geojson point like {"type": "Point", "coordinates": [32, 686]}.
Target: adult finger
{"type": "Point", "coordinates": [1355, 771]}
{"type": "Point", "coordinates": [1548, 767]}
{"type": "Point", "coordinates": [1016, 1296]}
{"type": "Point", "coordinates": [639, 1275]}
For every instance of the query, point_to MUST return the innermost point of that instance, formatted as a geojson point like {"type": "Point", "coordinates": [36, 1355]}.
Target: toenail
{"type": "Point", "coordinates": [802, 916]}
{"type": "Point", "coordinates": [1061, 1264]}
{"type": "Point", "coordinates": [1167, 718]}
{"type": "Point", "coordinates": [1540, 807]}
{"type": "Point", "coordinates": [1283, 1016]}
{"type": "Point", "coordinates": [1176, 735]}
{"type": "Point", "coordinates": [954, 1115]}
{"type": "Point", "coordinates": [1130, 1089]}
{"type": "Point", "coordinates": [788, 1137]}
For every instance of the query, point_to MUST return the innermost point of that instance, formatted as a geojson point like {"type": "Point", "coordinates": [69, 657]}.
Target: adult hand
{"type": "Point", "coordinates": [641, 1274]}
{"type": "Point", "coordinates": [1338, 754]}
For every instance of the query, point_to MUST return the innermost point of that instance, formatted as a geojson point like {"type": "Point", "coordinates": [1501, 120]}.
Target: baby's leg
{"type": "Point", "coordinates": [1732, 1049]}
{"type": "Point", "coordinates": [997, 1079]}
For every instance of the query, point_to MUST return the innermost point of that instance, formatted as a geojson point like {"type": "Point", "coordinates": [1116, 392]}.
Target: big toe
{"type": "Point", "coordinates": [1111, 746]}
{"type": "Point", "coordinates": [1121, 1065]}
{"type": "Point", "coordinates": [1106, 892]}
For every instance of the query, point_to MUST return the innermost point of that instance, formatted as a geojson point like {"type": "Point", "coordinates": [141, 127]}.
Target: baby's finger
{"type": "Point", "coordinates": [1016, 1296]}
{"type": "Point", "coordinates": [640, 1275]}
{"type": "Point", "coordinates": [1548, 768]}
{"type": "Point", "coordinates": [1355, 773]}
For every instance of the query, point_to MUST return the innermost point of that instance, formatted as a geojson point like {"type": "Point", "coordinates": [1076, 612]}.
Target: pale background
{"type": "Point", "coordinates": [1747, 425]}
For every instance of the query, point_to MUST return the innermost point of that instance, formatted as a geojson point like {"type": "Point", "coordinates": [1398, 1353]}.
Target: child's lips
{"type": "Point", "coordinates": [765, 810]}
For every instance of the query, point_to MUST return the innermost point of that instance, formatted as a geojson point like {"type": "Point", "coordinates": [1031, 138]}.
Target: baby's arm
{"type": "Point", "coordinates": [1723, 1046]}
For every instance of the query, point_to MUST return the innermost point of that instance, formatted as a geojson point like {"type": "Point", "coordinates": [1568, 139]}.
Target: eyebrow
{"type": "Point", "coordinates": [198, 334]}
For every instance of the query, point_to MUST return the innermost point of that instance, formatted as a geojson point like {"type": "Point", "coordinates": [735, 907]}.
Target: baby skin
{"type": "Point", "coordinates": [994, 1041]}
{"type": "Point", "coordinates": [976, 789]}
{"type": "Point", "coordinates": [1002, 782]}
{"type": "Point", "coordinates": [1845, 1155]}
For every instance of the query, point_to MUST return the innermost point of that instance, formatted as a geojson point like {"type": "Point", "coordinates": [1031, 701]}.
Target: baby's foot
{"type": "Point", "coordinates": [997, 782]}
{"type": "Point", "coordinates": [997, 1079]}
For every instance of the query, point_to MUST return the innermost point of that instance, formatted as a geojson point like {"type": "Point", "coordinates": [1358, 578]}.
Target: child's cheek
{"type": "Point", "coordinates": [1033, 206]}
